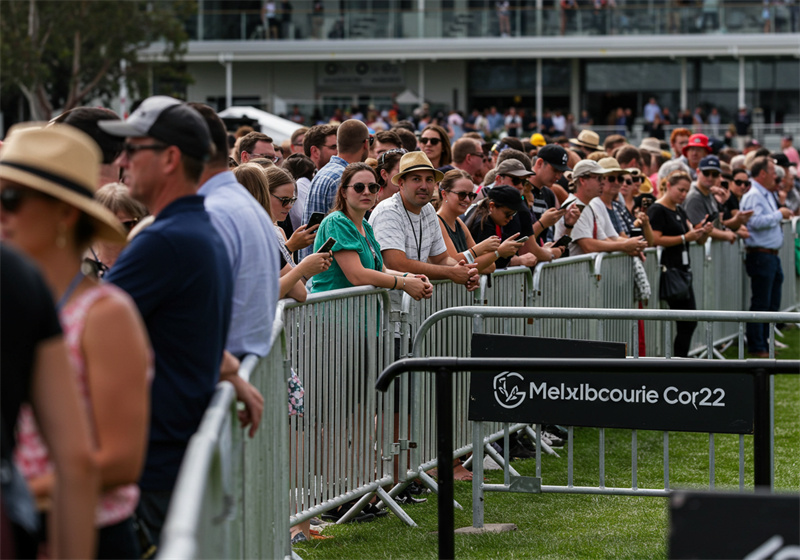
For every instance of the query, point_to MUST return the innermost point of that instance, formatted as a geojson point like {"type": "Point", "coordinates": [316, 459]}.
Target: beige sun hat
{"type": "Point", "coordinates": [611, 165]}
{"type": "Point", "coordinates": [587, 139]}
{"type": "Point", "coordinates": [413, 161]}
{"type": "Point", "coordinates": [63, 162]}
{"type": "Point", "coordinates": [652, 145]}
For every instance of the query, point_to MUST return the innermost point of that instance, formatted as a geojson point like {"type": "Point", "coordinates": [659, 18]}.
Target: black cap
{"type": "Point", "coordinates": [555, 155]}
{"type": "Point", "coordinates": [508, 196]}
{"type": "Point", "coordinates": [780, 159]}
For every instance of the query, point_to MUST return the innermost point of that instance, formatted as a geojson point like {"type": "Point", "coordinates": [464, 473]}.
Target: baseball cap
{"type": "Point", "coordinates": [555, 155]}
{"type": "Point", "coordinates": [507, 196]}
{"type": "Point", "coordinates": [513, 167]}
{"type": "Point", "coordinates": [538, 140]}
{"type": "Point", "coordinates": [780, 159]}
{"type": "Point", "coordinates": [788, 137]}
{"type": "Point", "coordinates": [168, 120]}
{"type": "Point", "coordinates": [588, 167]}
{"type": "Point", "coordinates": [709, 163]}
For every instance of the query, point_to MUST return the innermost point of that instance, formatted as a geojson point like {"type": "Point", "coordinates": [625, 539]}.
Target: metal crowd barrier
{"type": "Point", "coordinates": [230, 499]}
{"type": "Point", "coordinates": [341, 450]}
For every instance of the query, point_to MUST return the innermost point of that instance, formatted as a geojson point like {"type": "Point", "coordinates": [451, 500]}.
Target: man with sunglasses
{"type": "Point", "coordinates": [701, 202]}
{"type": "Point", "coordinates": [353, 141]}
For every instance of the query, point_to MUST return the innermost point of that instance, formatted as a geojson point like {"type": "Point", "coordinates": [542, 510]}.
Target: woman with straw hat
{"type": "Point", "coordinates": [47, 180]}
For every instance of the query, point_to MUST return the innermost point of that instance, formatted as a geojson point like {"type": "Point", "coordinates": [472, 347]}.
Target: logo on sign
{"type": "Point", "coordinates": [507, 391]}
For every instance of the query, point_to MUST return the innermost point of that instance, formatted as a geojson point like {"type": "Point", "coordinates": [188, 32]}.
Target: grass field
{"type": "Point", "coordinates": [578, 526]}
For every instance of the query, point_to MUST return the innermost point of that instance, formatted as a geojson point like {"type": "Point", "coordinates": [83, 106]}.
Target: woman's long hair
{"type": "Point", "coordinates": [447, 151]}
{"type": "Point", "coordinates": [349, 171]}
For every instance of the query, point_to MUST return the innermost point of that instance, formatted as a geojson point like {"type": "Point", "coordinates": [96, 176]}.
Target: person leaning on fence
{"type": "Point", "coordinates": [673, 231]}
{"type": "Point", "coordinates": [49, 176]}
{"type": "Point", "coordinates": [407, 229]}
{"type": "Point", "coordinates": [357, 259]}
{"type": "Point", "coordinates": [762, 263]}
{"type": "Point", "coordinates": [457, 191]}
{"type": "Point", "coordinates": [178, 273]}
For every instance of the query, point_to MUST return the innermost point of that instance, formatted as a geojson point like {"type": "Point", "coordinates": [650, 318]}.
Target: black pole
{"type": "Point", "coordinates": [762, 475]}
{"type": "Point", "coordinates": [444, 440]}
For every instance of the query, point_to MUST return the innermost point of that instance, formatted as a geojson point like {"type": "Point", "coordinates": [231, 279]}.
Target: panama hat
{"type": "Point", "coordinates": [611, 165]}
{"type": "Point", "coordinates": [63, 162]}
{"type": "Point", "coordinates": [652, 145]}
{"type": "Point", "coordinates": [587, 139]}
{"type": "Point", "coordinates": [413, 161]}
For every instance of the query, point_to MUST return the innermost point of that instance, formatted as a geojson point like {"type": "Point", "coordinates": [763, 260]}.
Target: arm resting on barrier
{"type": "Point", "coordinates": [245, 393]}
{"type": "Point", "coordinates": [439, 267]}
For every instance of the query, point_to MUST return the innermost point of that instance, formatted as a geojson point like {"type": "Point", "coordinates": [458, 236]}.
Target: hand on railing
{"type": "Point", "coordinates": [635, 245]}
{"type": "Point", "coordinates": [245, 393]}
{"type": "Point", "coordinates": [467, 274]}
{"type": "Point", "coordinates": [418, 286]}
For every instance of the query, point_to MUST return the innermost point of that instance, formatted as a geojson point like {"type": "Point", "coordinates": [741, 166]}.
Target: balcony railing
{"type": "Point", "coordinates": [645, 18]}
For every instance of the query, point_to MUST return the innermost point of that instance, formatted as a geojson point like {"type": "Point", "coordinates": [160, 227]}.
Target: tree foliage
{"type": "Point", "coordinates": [60, 54]}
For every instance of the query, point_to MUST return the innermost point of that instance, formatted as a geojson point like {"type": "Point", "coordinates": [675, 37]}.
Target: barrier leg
{"type": "Point", "coordinates": [498, 459]}
{"type": "Point", "coordinates": [356, 509]}
{"type": "Point", "coordinates": [396, 509]}
{"type": "Point", "coordinates": [433, 487]}
{"type": "Point", "coordinates": [477, 475]}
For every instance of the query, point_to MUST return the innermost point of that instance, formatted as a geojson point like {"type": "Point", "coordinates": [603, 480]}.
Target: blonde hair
{"type": "Point", "coordinates": [251, 176]}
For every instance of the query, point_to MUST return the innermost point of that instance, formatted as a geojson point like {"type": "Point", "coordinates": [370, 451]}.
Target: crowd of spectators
{"type": "Point", "coordinates": [214, 240]}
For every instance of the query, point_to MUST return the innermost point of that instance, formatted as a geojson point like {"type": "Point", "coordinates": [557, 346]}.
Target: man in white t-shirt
{"type": "Point", "coordinates": [589, 235]}
{"type": "Point", "coordinates": [407, 229]}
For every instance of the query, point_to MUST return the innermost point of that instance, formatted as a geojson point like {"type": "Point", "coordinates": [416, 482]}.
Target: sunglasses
{"type": "Point", "coordinates": [371, 140]}
{"type": "Point", "coordinates": [11, 198]}
{"type": "Point", "coordinates": [637, 179]}
{"type": "Point", "coordinates": [740, 183]}
{"type": "Point", "coordinates": [462, 195]}
{"type": "Point", "coordinates": [131, 149]}
{"type": "Point", "coordinates": [724, 184]}
{"type": "Point", "coordinates": [285, 200]}
{"type": "Point", "coordinates": [628, 181]}
{"type": "Point", "coordinates": [130, 224]}
{"type": "Point", "coordinates": [273, 159]}
{"type": "Point", "coordinates": [612, 178]}
{"type": "Point", "coordinates": [359, 187]}
{"type": "Point", "coordinates": [509, 215]}
{"type": "Point", "coordinates": [713, 174]}
{"type": "Point", "coordinates": [382, 159]}
{"type": "Point", "coordinates": [331, 147]}
{"type": "Point", "coordinates": [433, 141]}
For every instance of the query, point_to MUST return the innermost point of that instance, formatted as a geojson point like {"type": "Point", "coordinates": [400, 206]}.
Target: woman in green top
{"type": "Point", "coordinates": [357, 257]}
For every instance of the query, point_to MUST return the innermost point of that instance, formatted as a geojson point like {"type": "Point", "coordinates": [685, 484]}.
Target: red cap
{"type": "Point", "coordinates": [697, 141]}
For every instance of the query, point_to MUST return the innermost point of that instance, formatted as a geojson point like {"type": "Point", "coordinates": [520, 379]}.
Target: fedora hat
{"type": "Point", "coordinates": [413, 161]}
{"type": "Point", "coordinates": [62, 162]}
{"type": "Point", "coordinates": [611, 165]}
{"type": "Point", "coordinates": [652, 145]}
{"type": "Point", "coordinates": [587, 139]}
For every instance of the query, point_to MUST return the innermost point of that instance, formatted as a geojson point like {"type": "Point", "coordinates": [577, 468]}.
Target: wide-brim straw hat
{"type": "Point", "coordinates": [63, 162]}
{"type": "Point", "coordinates": [587, 139]}
{"type": "Point", "coordinates": [611, 165]}
{"type": "Point", "coordinates": [416, 161]}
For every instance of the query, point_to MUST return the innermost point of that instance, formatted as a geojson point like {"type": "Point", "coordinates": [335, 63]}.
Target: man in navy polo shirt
{"type": "Point", "coordinates": [177, 271]}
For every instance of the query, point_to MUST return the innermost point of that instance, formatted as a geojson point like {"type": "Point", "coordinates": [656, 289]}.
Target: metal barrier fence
{"type": "Point", "coordinates": [230, 499]}
{"type": "Point", "coordinates": [341, 449]}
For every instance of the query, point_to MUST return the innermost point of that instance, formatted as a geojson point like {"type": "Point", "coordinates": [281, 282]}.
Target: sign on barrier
{"type": "Point", "coordinates": [686, 402]}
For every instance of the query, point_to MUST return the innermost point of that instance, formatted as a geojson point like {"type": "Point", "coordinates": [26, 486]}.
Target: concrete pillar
{"type": "Point", "coordinates": [539, 107]}
{"type": "Point", "coordinates": [684, 94]}
{"type": "Point", "coordinates": [741, 82]}
{"type": "Point", "coordinates": [575, 90]}
{"type": "Point", "coordinates": [421, 81]}
{"type": "Point", "coordinates": [226, 60]}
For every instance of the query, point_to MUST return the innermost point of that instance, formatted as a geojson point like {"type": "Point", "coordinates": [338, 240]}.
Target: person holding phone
{"type": "Point", "coordinates": [674, 231]}
{"type": "Point", "coordinates": [702, 199]}
{"type": "Point", "coordinates": [357, 259]}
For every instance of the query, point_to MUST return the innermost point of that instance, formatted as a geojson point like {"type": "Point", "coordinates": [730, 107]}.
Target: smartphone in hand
{"type": "Point", "coordinates": [327, 246]}
{"type": "Point", "coordinates": [315, 219]}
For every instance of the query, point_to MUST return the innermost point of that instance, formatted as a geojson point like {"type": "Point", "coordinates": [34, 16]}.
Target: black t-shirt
{"type": "Point", "coordinates": [543, 199]}
{"type": "Point", "coordinates": [27, 317]}
{"type": "Point", "coordinates": [670, 223]}
{"type": "Point", "coordinates": [520, 223]}
{"type": "Point", "coordinates": [730, 205]}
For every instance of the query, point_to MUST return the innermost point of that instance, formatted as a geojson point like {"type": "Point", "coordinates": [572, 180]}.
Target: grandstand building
{"type": "Point", "coordinates": [465, 54]}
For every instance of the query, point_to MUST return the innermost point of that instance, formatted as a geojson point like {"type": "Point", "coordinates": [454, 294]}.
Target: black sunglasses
{"type": "Point", "coordinates": [612, 178]}
{"type": "Point", "coordinates": [464, 194]}
{"type": "Point", "coordinates": [130, 224]}
{"type": "Point", "coordinates": [628, 181]}
{"type": "Point", "coordinates": [740, 183]}
{"type": "Point", "coordinates": [131, 149]}
{"type": "Point", "coordinates": [637, 179]}
{"type": "Point", "coordinates": [724, 184]}
{"type": "Point", "coordinates": [371, 140]}
{"type": "Point", "coordinates": [359, 187]}
{"type": "Point", "coordinates": [11, 198]}
{"type": "Point", "coordinates": [433, 141]}
{"type": "Point", "coordinates": [713, 174]}
{"type": "Point", "coordinates": [285, 200]}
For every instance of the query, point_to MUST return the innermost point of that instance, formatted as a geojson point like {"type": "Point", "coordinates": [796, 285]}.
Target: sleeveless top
{"type": "Point", "coordinates": [457, 237]}
{"type": "Point", "coordinates": [31, 456]}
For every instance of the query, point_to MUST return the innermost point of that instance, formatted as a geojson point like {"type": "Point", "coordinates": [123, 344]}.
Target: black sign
{"type": "Point", "coordinates": [716, 525]}
{"type": "Point", "coordinates": [702, 402]}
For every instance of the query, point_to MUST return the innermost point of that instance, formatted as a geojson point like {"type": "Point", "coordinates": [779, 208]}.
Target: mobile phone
{"type": "Point", "coordinates": [636, 232]}
{"type": "Point", "coordinates": [570, 199]}
{"type": "Point", "coordinates": [712, 217]}
{"type": "Point", "coordinates": [521, 239]}
{"type": "Point", "coordinates": [327, 246]}
{"type": "Point", "coordinates": [316, 219]}
{"type": "Point", "coordinates": [563, 241]}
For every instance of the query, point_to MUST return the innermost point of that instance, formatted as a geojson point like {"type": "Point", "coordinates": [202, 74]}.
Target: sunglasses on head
{"type": "Point", "coordinates": [359, 187]}
{"type": "Point", "coordinates": [713, 174]}
{"type": "Point", "coordinates": [285, 200]}
{"type": "Point", "coordinates": [464, 195]}
{"type": "Point", "coordinates": [11, 198]}
{"type": "Point", "coordinates": [433, 141]}
{"type": "Point", "coordinates": [382, 159]}
{"type": "Point", "coordinates": [740, 183]}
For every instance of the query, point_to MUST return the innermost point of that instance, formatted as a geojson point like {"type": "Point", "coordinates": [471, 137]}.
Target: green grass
{"type": "Point", "coordinates": [579, 526]}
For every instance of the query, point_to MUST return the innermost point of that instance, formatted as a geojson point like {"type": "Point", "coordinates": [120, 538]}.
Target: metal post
{"type": "Point", "coordinates": [444, 439]}
{"type": "Point", "coordinates": [684, 85]}
{"type": "Point", "coordinates": [477, 474]}
{"type": "Point", "coordinates": [539, 92]}
{"type": "Point", "coordinates": [761, 452]}
{"type": "Point", "coordinates": [742, 102]}
{"type": "Point", "coordinates": [575, 89]}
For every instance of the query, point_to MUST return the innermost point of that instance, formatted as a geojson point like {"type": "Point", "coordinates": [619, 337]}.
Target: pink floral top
{"type": "Point", "coordinates": [31, 456]}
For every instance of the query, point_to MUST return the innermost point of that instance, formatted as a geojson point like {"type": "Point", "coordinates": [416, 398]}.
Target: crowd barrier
{"type": "Point", "coordinates": [351, 442]}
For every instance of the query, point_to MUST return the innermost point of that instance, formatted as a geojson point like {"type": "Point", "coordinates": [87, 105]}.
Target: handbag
{"type": "Point", "coordinates": [675, 285]}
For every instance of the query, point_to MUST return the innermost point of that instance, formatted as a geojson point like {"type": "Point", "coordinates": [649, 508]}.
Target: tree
{"type": "Point", "coordinates": [62, 54]}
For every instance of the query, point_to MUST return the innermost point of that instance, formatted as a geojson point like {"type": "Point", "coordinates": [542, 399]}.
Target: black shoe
{"type": "Point", "coordinates": [557, 430]}
{"type": "Point", "coordinates": [336, 514]}
{"type": "Point", "coordinates": [405, 497]}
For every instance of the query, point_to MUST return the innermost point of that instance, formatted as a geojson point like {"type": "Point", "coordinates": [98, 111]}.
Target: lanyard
{"type": "Point", "coordinates": [71, 288]}
{"type": "Point", "coordinates": [417, 241]}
